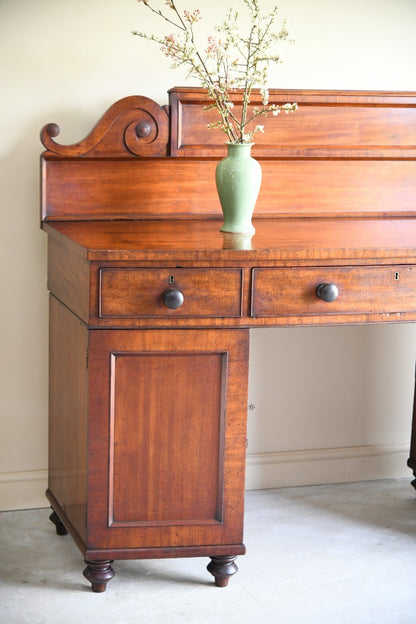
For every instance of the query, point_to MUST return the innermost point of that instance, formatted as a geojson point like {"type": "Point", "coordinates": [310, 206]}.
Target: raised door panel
{"type": "Point", "coordinates": [167, 438]}
{"type": "Point", "coordinates": [166, 427]}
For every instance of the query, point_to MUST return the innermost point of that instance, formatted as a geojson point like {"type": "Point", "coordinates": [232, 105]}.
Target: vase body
{"type": "Point", "coordinates": [238, 179]}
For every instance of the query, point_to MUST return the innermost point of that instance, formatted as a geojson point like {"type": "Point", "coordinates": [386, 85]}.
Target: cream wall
{"type": "Point", "coordinates": [326, 404]}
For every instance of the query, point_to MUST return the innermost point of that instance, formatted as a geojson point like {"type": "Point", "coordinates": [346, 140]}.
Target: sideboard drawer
{"type": "Point", "coordinates": [350, 290]}
{"type": "Point", "coordinates": [196, 292]}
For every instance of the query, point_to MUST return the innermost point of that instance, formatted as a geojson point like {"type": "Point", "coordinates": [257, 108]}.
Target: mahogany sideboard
{"type": "Point", "coordinates": [151, 305]}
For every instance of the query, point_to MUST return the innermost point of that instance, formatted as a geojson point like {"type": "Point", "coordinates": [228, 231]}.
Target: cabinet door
{"type": "Point", "coordinates": [167, 438]}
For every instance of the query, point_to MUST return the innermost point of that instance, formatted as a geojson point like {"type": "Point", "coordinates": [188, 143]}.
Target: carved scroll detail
{"type": "Point", "coordinates": [134, 125]}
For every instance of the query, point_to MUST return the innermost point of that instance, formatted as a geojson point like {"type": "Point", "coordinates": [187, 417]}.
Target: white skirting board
{"type": "Point", "coordinates": [318, 466]}
{"type": "Point", "coordinates": [23, 490]}
{"type": "Point", "coordinates": [26, 490]}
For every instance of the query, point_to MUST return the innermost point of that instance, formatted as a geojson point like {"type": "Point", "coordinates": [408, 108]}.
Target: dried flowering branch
{"type": "Point", "coordinates": [230, 61]}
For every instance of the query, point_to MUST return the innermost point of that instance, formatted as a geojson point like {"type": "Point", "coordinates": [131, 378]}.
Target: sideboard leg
{"type": "Point", "coordinates": [60, 528]}
{"type": "Point", "coordinates": [221, 569]}
{"type": "Point", "coordinates": [412, 465]}
{"type": "Point", "coordinates": [411, 462]}
{"type": "Point", "coordinates": [99, 573]}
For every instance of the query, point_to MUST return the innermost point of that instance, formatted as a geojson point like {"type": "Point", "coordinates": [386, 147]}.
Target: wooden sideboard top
{"type": "Point", "coordinates": [281, 239]}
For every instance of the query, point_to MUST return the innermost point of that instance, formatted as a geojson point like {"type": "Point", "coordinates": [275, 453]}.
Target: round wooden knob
{"type": "Point", "coordinates": [172, 298]}
{"type": "Point", "coordinates": [327, 292]}
{"type": "Point", "coordinates": [143, 129]}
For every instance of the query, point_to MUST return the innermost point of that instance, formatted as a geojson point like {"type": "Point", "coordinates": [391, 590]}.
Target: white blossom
{"type": "Point", "coordinates": [230, 60]}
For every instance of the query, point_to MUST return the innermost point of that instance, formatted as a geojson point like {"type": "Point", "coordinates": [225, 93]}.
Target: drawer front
{"type": "Point", "coordinates": [359, 290]}
{"type": "Point", "coordinates": [143, 292]}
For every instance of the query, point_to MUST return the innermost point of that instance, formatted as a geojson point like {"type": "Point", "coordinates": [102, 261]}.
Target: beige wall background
{"type": "Point", "coordinates": [326, 404]}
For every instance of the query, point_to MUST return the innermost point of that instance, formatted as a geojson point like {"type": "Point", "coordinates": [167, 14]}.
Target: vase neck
{"type": "Point", "coordinates": [239, 150]}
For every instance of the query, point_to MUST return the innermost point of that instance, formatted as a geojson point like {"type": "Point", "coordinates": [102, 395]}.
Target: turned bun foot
{"type": "Point", "coordinates": [221, 569]}
{"type": "Point", "coordinates": [60, 528]}
{"type": "Point", "coordinates": [411, 462]}
{"type": "Point", "coordinates": [99, 573]}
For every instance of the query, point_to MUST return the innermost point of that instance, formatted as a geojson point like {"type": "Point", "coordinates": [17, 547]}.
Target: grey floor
{"type": "Point", "coordinates": [339, 554]}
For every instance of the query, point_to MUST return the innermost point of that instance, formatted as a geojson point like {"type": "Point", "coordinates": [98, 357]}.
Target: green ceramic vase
{"type": "Point", "coordinates": [238, 178]}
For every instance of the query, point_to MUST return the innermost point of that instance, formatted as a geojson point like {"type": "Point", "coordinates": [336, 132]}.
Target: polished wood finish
{"type": "Point", "coordinates": [99, 573]}
{"type": "Point", "coordinates": [167, 438]}
{"type": "Point", "coordinates": [350, 153]}
{"type": "Point", "coordinates": [327, 124]}
{"type": "Point", "coordinates": [163, 188]}
{"type": "Point", "coordinates": [295, 240]}
{"type": "Point", "coordinates": [68, 417]}
{"type": "Point", "coordinates": [365, 289]}
{"type": "Point", "coordinates": [148, 390]}
{"type": "Point", "coordinates": [139, 292]}
{"type": "Point", "coordinates": [231, 281]}
{"type": "Point", "coordinates": [135, 125]}
{"type": "Point", "coordinates": [120, 398]}
{"type": "Point", "coordinates": [221, 569]}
